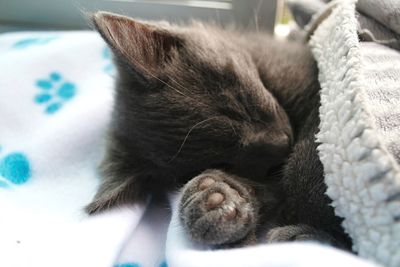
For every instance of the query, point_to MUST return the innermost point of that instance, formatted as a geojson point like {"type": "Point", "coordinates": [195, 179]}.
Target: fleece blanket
{"type": "Point", "coordinates": [378, 21]}
{"type": "Point", "coordinates": [56, 95]}
{"type": "Point", "coordinates": [360, 128]}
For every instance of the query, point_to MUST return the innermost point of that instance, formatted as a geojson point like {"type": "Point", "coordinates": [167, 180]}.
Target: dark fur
{"type": "Point", "coordinates": [194, 98]}
{"type": "Point", "coordinates": [294, 82]}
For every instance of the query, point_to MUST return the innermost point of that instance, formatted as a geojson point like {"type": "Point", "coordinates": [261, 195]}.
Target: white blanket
{"type": "Point", "coordinates": [56, 94]}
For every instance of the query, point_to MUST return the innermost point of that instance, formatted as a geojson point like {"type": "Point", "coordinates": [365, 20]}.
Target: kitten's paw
{"type": "Point", "coordinates": [217, 209]}
{"type": "Point", "coordinates": [300, 232]}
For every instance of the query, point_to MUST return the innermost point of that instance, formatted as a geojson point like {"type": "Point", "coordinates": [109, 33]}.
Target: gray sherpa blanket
{"type": "Point", "coordinates": [378, 21]}
{"type": "Point", "coordinates": [360, 121]}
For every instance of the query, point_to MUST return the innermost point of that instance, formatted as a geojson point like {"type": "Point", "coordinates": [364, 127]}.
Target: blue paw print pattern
{"type": "Point", "coordinates": [15, 169]}
{"type": "Point", "coordinates": [109, 67]}
{"type": "Point", "coordinates": [27, 42]}
{"type": "Point", "coordinates": [55, 91]}
{"type": "Point", "coordinates": [128, 264]}
{"type": "Point", "coordinates": [133, 264]}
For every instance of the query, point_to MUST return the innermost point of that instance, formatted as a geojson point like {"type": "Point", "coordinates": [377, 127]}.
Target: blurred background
{"type": "Point", "coordinates": [266, 15]}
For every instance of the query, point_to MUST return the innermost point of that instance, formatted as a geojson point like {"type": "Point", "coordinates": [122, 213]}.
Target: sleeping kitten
{"type": "Point", "coordinates": [186, 100]}
{"type": "Point", "coordinates": [201, 102]}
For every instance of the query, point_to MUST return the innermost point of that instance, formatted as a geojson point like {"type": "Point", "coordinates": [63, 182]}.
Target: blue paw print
{"type": "Point", "coordinates": [109, 67]}
{"type": "Point", "coordinates": [130, 264]}
{"type": "Point", "coordinates": [133, 264]}
{"type": "Point", "coordinates": [15, 169]}
{"type": "Point", "coordinates": [55, 92]}
{"type": "Point", "coordinates": [26, 42]}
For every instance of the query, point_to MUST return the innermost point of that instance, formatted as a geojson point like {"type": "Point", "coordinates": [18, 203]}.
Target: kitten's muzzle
{"type": "Point", "coordinates": [257, 155]}
{"type": "Point", "coordinates": [256, 158]}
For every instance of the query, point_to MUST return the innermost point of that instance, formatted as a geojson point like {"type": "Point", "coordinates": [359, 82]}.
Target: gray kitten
{"type": "Point", "coordinates": [236, 111]}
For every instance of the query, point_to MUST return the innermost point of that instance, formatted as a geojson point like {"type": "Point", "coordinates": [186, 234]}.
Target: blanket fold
{"type": "Point", "coordinates": [378, 21]}
{"type": "Point", "coordinates": [359, 133]}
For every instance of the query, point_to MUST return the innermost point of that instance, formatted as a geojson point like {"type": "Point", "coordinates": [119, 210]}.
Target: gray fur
{"type": "Point", "coordinates": [193, 99]}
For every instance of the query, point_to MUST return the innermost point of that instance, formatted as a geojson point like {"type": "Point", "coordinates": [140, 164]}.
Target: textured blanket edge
{"type": "Point", "coordinates": [363, 178]}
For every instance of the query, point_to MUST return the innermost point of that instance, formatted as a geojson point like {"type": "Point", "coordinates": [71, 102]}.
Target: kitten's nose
{"type": "Point", "coordinates": [260, 154]}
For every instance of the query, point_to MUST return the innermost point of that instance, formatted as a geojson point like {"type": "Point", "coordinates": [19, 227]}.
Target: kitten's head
{"type": "Point", "coordinates": [189, 98]}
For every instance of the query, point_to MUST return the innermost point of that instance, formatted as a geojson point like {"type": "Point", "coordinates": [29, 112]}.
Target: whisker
{"type": "Point", "coordinates": [187, 136]}
{"type": "Point", "coordinates": [233, 128]}
{"type": "Point", "coordinates": [256, 16]}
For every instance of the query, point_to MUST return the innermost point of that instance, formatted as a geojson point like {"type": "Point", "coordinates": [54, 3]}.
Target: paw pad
{"type": "Point", "coordinates": [214, 200]}
{"type": "Point", "coordinates": [15, 169]}
{"type": "Point", "coordinates": [206, 183]}
{"type": "Point", "coordinates": [55, 92]}
{"type": "Point", "coordinates": [230, 213]}
{"type": "Point", "coordinates": [26, 42]}
{"type": "Point", "coordinates": [216, 209]}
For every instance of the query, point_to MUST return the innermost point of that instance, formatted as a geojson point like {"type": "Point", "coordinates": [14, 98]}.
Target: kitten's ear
{"type": "Point", "coordinates": [145, 47]}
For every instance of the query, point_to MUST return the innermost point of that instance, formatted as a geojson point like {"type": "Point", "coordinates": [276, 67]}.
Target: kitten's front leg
{"type": "Point", "coordinates": [219, 209]}
{"type": "Point", "coordinates": [115, 191]}
{"type": "Point", "coordinates": [300, 232]}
